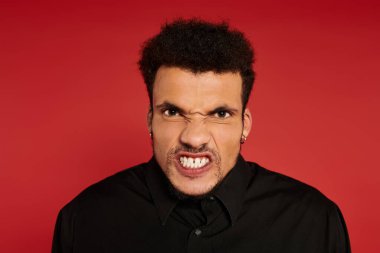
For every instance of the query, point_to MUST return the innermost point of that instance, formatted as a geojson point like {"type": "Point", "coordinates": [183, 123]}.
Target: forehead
{"type": "Point", "coordinates": [197, 90]}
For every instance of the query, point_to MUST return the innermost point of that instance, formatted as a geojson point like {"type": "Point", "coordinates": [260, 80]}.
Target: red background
{"type": "Point", "coordinates": [73, 104]}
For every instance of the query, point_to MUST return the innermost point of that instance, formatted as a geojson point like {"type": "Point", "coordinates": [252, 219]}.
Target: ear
{"type": "Point", "coordinates": [247, 122]}
{"type": "Point", "coordinates": [149, 120]}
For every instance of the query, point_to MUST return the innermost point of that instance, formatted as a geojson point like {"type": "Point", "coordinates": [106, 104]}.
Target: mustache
{"type": "Point", "coordinates": [204, 148]}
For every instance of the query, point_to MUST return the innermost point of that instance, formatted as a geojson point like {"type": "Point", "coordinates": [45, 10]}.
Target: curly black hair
{"type": "Point", "coordinates": [198, 46]}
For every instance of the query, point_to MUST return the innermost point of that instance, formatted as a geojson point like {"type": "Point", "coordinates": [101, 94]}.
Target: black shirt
{"type": "Point", "coordinates": [252, 210]}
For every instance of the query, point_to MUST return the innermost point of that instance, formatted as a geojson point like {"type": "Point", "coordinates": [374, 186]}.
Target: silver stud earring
{"type": "Point", "coordinates": [243, 139]}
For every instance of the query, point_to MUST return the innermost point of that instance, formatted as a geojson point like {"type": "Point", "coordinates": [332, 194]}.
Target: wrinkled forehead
{"type": "Point", "coordinates": [197, 90]}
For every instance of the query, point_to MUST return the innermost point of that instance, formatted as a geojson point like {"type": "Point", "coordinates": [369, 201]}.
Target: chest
{"type": "Point", "coordinates": [253, 231]}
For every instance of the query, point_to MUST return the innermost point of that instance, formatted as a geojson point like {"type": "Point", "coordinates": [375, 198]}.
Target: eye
{"type": "Point", "coordinates": [171, 112]}
{"type": "Point", "coordinates": [222, 114]}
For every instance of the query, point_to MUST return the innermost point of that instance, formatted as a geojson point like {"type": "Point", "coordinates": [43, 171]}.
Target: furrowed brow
{"type": "Point", "coordinates": [224, 108]}
{"type": "Point", "coordinates": [166, 105]}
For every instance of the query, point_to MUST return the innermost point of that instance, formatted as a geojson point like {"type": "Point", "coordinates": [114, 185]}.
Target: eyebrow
{"type": "Point", "coordinates": [167, 105]}
{"type": "Point", "coordinates": [224, 108]}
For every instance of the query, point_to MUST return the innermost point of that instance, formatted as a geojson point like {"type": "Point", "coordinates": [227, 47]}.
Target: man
{"type": "Point", "coordinates": [197, 193]}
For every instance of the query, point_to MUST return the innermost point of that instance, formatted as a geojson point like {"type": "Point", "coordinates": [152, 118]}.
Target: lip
{"type": "Point", "coordinates": [193, 173]}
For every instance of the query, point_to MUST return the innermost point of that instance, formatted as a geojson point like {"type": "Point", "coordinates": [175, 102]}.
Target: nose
{"type": "Point", "coordinates": [195, 135]}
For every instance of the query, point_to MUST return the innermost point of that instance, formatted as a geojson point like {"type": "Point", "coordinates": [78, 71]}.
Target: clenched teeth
{"type": "Point", "coordinates": [193, 163]}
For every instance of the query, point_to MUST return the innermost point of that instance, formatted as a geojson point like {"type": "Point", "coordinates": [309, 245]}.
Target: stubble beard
{"type": "Point", "coordinates": [170, 163]}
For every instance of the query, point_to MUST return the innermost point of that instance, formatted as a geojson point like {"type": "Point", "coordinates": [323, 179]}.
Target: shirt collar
{"type": "Point", "coordinates": [158, 187]}
{"type": "Point", "coordinates": [230, 192]}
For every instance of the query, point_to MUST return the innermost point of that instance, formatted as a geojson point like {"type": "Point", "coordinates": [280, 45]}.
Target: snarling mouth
{"type": "Point", "coordinates": [193, 163]}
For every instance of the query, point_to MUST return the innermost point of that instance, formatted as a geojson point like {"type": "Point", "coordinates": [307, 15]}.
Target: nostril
{"type": "Point", "coordinates": [195, 137]}
{"type": "Point", "coordinates": [191, 149]}
{"type": "Point", "coordinates": [194, 145]}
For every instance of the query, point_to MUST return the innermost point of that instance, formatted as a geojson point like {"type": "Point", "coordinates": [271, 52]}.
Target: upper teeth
{"type": "Point", "coordinates": [193, 163]}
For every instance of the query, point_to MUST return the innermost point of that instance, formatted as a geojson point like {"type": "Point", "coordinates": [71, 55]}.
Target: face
{"type": "Point", "coordinates": [197, 126]}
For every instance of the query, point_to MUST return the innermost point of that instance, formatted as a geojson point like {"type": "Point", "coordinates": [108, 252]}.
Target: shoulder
{"type": "Point", "coordinates": [283, 204]}
{"type": "Point", "coordinates": [124, 186]}
{"type": "Point", "coordinates": [287, 190]}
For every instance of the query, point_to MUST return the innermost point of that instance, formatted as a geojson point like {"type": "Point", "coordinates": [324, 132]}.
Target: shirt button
{"type": "Point", "coordinates": [211, 198]}
{"type": "Point", "coordinates": [198, 232]}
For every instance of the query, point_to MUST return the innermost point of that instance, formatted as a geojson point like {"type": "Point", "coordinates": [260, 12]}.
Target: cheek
{"type": "Point", "coordinates": [165, 133]}
{"type": "Point", "coordinates": [227, 138]}
{"type": "Point", "coordinates": [227, 141]}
